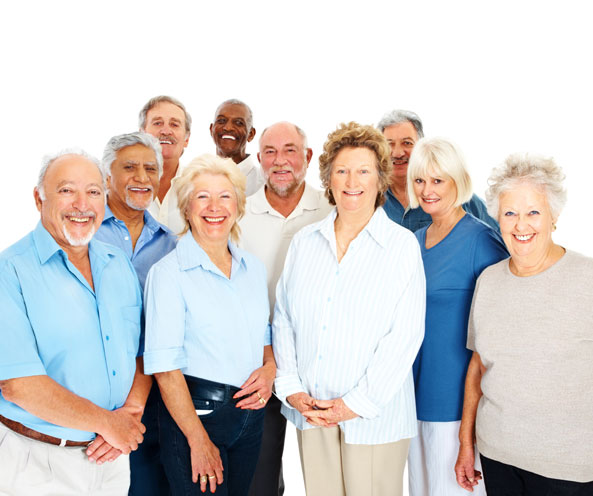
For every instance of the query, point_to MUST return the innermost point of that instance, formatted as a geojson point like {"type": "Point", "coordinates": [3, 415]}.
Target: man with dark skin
{"type": "Point", "coordinates": [231, 130]}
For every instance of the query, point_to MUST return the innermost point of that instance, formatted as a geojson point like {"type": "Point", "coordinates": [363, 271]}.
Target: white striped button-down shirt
{"type": "Point", "coordinates": [352, 329]}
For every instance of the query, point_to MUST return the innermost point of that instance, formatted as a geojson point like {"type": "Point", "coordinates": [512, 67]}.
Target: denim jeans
{"type": "Point", "coordinates": [506, 480]}
{"type": "Point", "coordinates": [236, 433]}
{"type": "Point", "coordinates": [147, 474]}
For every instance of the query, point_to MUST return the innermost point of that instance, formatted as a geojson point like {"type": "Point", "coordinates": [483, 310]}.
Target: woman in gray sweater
{"type": "Point", "coordinates": [529, 388]}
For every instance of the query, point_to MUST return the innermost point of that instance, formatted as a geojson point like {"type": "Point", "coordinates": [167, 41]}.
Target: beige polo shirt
{"type": "Point", "coordinates": [267, 234]}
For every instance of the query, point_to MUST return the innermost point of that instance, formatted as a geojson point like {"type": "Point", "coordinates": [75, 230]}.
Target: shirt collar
{"type": "Point", "coordinates": [47, 246]}
{"type": "Point", "coordinates": [377, 227]}
{"type": "Point", "coordinates": [149, 221]}
{"type": "Point", "coordinates": [258, 203]}
{"type": "Point", "coordinates": [191, 255]}
{"type": "Point", "coordinates": [247, 165]}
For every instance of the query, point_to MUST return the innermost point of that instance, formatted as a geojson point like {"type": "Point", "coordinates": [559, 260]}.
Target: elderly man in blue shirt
{"type": "Point", "coordinates": [71, 309]}
{"type": "Point", "coordinates": [403, 129]}
{"type": "Point", "coordinates": [133, 164]}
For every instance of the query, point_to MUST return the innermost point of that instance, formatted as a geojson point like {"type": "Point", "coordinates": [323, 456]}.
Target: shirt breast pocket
{"type": "Point", "coordinates": [131, 327]}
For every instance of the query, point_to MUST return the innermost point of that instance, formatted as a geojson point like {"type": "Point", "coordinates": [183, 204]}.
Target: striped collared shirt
{"type": "Point", "coordinates": [352, 329]}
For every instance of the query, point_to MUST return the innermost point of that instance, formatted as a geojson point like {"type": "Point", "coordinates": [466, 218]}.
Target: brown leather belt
{"type": "Point", "coordinates": [38, 436]}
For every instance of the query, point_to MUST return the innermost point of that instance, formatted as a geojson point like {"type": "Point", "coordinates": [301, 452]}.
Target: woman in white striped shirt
{"type": "Point", "coordinates": [348, 323]}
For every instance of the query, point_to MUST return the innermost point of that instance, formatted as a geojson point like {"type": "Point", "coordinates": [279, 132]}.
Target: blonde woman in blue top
{"type": "Point", "coordinates": [455, 248]}
{"type": "Point", "coordinates": [208, 339]}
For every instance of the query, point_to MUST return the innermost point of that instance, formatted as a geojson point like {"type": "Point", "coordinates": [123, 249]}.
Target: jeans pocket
{"type": "Point", "coordinates": [206, 405]}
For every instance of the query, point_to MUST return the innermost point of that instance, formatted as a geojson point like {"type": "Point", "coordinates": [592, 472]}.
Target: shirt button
{"type": "Point", "coordinates": [320, 357]}
{"type": "Point", "coordinates": [316, 385]}
{"type": "Point", "coordinates": [126, 238]}
{"type": "Point", "coordinates": [107, 338]}
{"type": "Point", "coordinates": [329, 299]}
{"type": "Point", "coordinates": [324, 328]}
{"type": "Point", "coordinates": [114, 372]}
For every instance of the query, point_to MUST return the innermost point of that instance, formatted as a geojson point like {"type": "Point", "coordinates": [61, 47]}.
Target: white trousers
{"type": "Point", "coordinates": [33, 468]}
{"type": "Point", "coordinates": [431, 461]}
{"type": "Point", "coordinates": [333, 468]}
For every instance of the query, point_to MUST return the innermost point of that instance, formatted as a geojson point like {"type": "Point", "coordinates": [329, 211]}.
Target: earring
{"type": "Point", "coordinates": [553, 227]}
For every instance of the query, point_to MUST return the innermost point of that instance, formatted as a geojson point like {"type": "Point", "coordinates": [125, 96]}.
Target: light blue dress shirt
{"type": "Point", "coordinates": [352, 329]}
{"type": "Point", "coordinates": [54, 324]}
{"type": "Point", "coordinates": [154, 243]}
{"type": "Point", "coordinates": [203, 323]}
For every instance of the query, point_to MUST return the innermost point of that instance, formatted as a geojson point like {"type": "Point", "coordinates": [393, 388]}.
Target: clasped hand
{"type": "Point", "coordinates": [321, 413]}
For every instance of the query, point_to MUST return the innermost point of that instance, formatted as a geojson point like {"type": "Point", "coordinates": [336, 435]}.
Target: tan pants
{"type": "Point", "coordinates": [33, 468]}
{"type": "Point", "coordinates": [333, 468]}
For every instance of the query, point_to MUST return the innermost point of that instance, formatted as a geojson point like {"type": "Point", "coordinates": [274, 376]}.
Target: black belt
{"type": "Point", "coordinates": [210, 390]}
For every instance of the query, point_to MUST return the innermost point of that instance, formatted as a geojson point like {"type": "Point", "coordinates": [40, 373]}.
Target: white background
{"type": "Point", "coordinates": [496, 77]}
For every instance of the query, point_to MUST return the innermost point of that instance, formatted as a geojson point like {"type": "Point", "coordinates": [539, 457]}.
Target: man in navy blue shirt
{"type": "Point", "coordinates": [133, 165]}
{"type": "Point", "coordinates": [403, 129]}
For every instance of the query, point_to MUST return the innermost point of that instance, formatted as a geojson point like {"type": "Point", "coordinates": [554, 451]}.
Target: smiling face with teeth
{"type": "Point", "coordinates": [134, 178]}
{"type": "Point", "coordinates": [212, 210]}
{"type": "Point", "coordinates": [231, 131]}
{"type": "Point", "coordinates": [526, 224]}
{"type": "Point", "coordinates": [74, 203]}
{"type": "Point", "coordinates": [354, 181]}
{"type": "Point", "coordinates": [284, 159]}
{"type": "Point", "coordinates": [401, 138]}
{"type": "Point", "coordinates": [436, 193]}
{"type": "Point", "coordinates": [166, 122]}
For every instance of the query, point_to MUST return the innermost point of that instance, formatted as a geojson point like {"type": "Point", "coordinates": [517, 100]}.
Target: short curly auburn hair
{"type": "Point", "coordinates": [354, 135]}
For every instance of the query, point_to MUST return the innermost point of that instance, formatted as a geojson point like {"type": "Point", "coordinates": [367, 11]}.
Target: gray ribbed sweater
{"type": "Point", "coordinates": [535, 338]}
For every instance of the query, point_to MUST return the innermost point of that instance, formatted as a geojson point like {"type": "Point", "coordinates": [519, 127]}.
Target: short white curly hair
{"type": "Point", "coordinates": [542, 172]}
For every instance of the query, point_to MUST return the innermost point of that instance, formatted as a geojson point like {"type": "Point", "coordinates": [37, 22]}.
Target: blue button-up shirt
{"type": "Point", "coordinates": [154, 243]}
{"type": "Point", "coordinates": [54, 324]}
{"type": "Point", "coordinates": [416, 218]}
{"type": "Point", "coordinates": [203, 323]}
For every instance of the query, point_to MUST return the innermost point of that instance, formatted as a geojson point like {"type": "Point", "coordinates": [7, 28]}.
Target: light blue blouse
{"type": "Point", "coordinates": [201, 322]}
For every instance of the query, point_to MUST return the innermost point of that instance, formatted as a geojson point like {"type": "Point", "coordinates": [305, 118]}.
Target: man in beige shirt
{"type": "Point", "coordinates": [273, 215]}
{"type": "Point", "coordinates": [167, 120]}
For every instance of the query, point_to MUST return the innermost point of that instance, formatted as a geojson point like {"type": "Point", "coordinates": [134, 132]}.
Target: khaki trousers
{"type": "Point", "coordinates": [33, 468]}
{"type": "Point", "coordinates": [333, 468]}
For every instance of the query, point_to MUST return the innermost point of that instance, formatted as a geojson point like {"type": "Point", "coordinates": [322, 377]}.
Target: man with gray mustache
{"type": "Point", "coordinates": [273, 215]}
{"type": "Point", "coordinates": [71, 389]}
{"type": "Point", "coordinates": [133, 165]}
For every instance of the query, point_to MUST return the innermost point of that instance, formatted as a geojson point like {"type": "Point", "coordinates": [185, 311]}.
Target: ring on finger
{"type": "Point", "coordinates": [204, 479]}
{"type": "Point", "coordinates": [258, 395]}
{"type": "Point", "coordinates": [262, 401]}
{"type": "Point", "coordinates": [212, 477]}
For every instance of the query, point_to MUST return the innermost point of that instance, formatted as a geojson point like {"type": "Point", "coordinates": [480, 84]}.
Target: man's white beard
{"type": "Point", "coordinates": [80, 241]}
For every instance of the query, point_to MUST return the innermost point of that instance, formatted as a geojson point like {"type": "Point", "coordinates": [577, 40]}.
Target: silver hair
{"type": "Point", "coordinates": [116, 143]}
{"type": "Point", "coordinates": [47, 160]}
{"type": "Point", "coordinates": [299, 131]}
{"type": "Point", "coordinates": [159, 99]}
{"type": "Point", "coordinates": [397, 117]}
{"type": "Point", "coordinates": [540, 171]}
{"type": "Point", "coordinates": [235, 101]}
